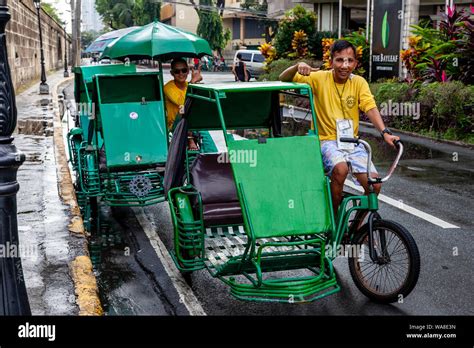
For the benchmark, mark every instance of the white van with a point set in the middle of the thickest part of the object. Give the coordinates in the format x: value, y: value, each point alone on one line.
x: 253, y: 59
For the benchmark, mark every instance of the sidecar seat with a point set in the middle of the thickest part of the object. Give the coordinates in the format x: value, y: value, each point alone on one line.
x: 215, y: 182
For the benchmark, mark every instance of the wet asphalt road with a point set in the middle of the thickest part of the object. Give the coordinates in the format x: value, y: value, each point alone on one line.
x: 435, y: 185
x: 434, y: 178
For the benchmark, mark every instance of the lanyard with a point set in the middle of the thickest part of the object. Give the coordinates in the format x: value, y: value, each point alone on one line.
x: 340, y: 95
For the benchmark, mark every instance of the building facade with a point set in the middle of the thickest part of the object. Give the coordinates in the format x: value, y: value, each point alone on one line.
x: 90, y: 20
x: 247, y: 29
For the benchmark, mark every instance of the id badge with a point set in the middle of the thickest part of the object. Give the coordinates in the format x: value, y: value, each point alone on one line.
x: 345, y: 129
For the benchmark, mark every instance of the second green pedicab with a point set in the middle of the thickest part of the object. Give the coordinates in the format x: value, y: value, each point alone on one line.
x: 258, y: 215
x: 119, y: 145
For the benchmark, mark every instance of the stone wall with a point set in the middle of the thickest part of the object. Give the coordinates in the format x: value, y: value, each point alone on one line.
x: 24, y: 46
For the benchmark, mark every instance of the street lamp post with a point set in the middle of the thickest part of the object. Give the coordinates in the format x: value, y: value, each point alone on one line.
x: 66, y: 72
x: 13, y: 296
x: 44, y: 88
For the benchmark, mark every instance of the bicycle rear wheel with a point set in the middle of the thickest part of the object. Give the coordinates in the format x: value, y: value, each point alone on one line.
x: 395, y: 273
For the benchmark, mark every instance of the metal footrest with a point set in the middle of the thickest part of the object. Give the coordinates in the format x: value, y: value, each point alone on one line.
x: 224, y: 243
x: 286, y: 290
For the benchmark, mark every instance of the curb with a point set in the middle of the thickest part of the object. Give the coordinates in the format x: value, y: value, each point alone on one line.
x: 82, y: 274
x: 416, y: 135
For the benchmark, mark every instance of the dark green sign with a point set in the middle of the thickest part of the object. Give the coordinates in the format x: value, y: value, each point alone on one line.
x: 386, y: 30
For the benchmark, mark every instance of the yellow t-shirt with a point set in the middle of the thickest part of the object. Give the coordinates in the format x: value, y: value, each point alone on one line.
x: 174, y: 98
x: 355, y: 95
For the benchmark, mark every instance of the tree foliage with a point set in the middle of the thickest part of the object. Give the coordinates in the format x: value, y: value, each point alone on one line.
x: 119, y: 14
x: 210, y: 25
x: 255, y: 5
x: 442, y: 54
x: 296, y: 19
x: 88, y: 36
x: 51, y: 10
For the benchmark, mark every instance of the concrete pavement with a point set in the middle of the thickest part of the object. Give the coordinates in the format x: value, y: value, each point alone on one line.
x: 53, y: 254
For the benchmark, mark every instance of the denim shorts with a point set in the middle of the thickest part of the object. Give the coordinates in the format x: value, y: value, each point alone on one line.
x: 356, y: 159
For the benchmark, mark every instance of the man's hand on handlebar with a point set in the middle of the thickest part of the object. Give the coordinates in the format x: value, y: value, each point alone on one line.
x: 390, y: 139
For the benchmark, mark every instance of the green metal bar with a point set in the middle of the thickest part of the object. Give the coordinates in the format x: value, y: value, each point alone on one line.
x: 333, y: 220
x: 313, y: 111
x: 251, y: 235
x: 182, y: 229
x: 196, y: 96
x: 360, y: 203
x: 162, y: 97
x: 373, y: 201
x: 279, y: 290
x: 221, y: 116
x: 257, y: 262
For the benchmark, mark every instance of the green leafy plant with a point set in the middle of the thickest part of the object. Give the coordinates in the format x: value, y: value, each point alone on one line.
x: 316, y: 42
x: 441, y: 55
x: 118, y: 14
x: 210, y: 26
x: 446, y: 109
x: 296, y: 19
x: 276, y: 67
x: 465, y: 50
x: 357, y: 38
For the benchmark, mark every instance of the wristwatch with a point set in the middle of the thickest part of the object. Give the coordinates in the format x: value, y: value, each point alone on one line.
x: 386, y: 130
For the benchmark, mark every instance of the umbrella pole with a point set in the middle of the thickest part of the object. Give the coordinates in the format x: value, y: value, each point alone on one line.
x: 162, y: 84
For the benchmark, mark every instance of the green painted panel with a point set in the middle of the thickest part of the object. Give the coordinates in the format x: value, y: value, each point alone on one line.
x: 244, y: 105
x: 245, y: 109
x: 132, y: 131
x: 87, y: 72
x: 283, y: 184
x: 129, y: 88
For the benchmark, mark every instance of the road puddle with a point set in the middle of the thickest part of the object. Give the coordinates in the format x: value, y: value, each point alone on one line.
x: 423, y: 163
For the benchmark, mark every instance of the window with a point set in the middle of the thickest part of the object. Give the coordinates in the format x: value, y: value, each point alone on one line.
x: 246, y: 57
x: 258, y: 58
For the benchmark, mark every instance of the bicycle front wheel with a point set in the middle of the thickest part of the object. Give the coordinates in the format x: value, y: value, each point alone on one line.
x: 395, y: 273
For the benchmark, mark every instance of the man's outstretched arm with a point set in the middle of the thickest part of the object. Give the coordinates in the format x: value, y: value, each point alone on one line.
x: 288, y: 74
x: 302, y: 68
x: 374, y: 117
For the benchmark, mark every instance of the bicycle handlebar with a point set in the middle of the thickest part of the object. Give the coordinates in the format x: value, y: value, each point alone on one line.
x: 394, y: 165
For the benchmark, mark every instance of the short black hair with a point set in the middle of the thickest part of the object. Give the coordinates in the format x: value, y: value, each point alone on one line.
x: 341, y: 45
x: 176, y: 61
x: 239, y: 55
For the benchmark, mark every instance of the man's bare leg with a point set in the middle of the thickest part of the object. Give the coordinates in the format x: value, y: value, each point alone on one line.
x: 362, y: 179
x: 338, y: 176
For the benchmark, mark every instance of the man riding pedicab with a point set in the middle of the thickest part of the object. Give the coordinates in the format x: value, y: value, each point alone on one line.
x: 339, y: 95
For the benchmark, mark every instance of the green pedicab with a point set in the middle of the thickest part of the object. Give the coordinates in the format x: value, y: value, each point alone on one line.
x: 119, y: 146
x: 259, y: 215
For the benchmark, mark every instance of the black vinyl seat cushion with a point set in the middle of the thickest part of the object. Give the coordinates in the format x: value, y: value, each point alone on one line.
x: 215, y: 182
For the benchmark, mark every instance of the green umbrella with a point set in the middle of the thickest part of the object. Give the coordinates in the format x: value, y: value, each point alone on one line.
x: 99, y: 44
x: 157, y: 41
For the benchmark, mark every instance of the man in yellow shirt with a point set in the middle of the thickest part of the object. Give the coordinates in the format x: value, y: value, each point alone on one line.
x: 338, y: 96
x: 175, y: 90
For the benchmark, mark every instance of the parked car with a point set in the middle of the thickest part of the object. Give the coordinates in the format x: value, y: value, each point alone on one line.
x: 253, y: 60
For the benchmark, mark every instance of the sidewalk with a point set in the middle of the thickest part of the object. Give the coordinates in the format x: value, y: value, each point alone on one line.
x: 43, y: 219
